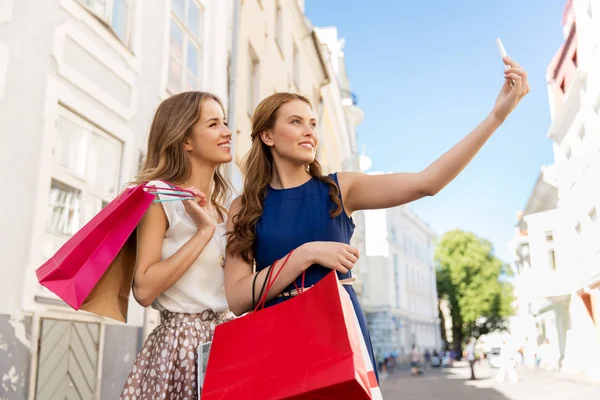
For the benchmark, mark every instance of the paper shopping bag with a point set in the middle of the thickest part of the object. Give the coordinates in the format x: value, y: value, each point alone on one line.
x: 110, y: 296
x: 78, y: 266
x: 305, y: 348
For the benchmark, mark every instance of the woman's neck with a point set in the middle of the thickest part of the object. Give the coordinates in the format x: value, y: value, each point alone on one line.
x: 287, y: 175
x: 201, y: 178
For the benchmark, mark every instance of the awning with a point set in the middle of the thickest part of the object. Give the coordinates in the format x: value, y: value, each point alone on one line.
x: 554, y: 284
x: 591, y: 284
x: 552, y: 303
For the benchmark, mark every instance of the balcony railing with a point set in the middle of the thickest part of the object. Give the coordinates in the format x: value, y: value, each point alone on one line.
x: 348, y: 97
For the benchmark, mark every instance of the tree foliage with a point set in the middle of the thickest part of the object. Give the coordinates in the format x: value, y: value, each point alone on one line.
x: 472, y: 279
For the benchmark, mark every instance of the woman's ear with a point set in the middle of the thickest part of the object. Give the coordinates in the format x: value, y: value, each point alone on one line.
x: 187, y: 144
x: 267, y: 137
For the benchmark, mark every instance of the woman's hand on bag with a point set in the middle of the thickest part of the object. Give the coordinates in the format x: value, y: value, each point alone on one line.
x: 197, y: 211
x: 337, y: 256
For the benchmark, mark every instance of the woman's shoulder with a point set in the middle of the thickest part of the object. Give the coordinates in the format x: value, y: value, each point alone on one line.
x: 159, y: 184
x: 236, y: 206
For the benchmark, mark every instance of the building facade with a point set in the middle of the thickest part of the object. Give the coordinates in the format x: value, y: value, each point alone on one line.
x: 340, y: 116
x: 400, y: 286
x: 279, y: 50
x: 79, y: 99
x: 557, y: 249
x: 76, y: 103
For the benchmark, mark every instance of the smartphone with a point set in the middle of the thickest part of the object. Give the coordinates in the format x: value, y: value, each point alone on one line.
x: 503, y: 54
x: 501, y: 48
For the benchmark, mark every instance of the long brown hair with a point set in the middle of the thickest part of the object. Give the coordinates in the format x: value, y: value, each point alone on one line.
x: 258, y: 167
x: 166, y: 160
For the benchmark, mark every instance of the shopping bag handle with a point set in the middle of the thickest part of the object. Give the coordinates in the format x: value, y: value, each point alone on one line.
x: 270, y: 283
x: 172, y: 190
x: 262, y: 289
x: 262, y: 296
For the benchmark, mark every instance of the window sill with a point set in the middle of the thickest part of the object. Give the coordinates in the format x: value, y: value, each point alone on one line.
x: 44, y: 299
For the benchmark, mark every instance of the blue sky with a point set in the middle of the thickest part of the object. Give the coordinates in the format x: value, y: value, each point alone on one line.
x: 426, y: 73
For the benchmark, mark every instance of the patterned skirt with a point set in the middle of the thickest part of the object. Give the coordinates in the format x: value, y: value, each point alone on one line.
x: 166, y: 367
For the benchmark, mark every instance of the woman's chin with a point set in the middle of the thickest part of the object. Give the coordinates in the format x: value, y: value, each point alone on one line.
x: 224, y: 160
x: 306, y: 160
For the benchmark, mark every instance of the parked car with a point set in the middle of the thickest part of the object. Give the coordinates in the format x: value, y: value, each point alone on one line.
x: 446, y: 361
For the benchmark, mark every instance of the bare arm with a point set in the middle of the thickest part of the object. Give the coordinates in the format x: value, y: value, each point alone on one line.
x: 364, y: 192
x: 153, y: 275
x: 401, y: 188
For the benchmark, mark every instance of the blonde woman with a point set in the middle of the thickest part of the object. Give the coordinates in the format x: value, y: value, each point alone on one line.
x: 181, y: 245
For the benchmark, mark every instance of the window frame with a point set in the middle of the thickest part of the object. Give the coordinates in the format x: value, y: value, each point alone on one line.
x: 279, y: 28
x: 79, y: 182
x: 253, y: 84
x: 187, y: 37
x: 106, y: 17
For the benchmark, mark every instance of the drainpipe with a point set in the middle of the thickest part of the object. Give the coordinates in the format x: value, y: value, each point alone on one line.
x: 234, y: 171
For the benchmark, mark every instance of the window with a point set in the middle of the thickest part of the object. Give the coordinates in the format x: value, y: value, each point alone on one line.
x: 568, y: 153
x: 86, y: 167
x: 185, y: 46
x: 116, y: 14
x: 253, y: 82
x: 575, y: 58
x: 64, y: 208
x: 581, y: 133
x: 551, y: 260
x: 296, y: 66
x: 592, y: 214
x: 562, y: 86
x: 279, y: 27
x: 549, y: 236
x: 578, y: 227
x: 141, y: 161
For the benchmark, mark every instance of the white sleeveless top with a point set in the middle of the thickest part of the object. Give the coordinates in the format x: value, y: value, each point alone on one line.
x: 202, y: 287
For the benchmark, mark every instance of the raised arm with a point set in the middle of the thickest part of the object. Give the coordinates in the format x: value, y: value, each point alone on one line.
x: 239, y: 274
x: 364, y: 192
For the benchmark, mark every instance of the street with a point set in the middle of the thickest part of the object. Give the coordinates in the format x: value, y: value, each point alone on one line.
x: 453, y: 383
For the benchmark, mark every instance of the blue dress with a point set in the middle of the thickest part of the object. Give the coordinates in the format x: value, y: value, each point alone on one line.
x: 292, y: 217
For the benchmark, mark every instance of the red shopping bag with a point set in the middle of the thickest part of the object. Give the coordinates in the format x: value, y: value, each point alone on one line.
x: 305, y: 348
x: 80, y: 263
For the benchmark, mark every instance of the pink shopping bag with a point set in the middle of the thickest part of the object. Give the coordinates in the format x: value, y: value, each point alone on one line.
x: 78, y: 265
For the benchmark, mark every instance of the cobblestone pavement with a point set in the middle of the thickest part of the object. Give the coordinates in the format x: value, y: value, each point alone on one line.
x: 453, y: 383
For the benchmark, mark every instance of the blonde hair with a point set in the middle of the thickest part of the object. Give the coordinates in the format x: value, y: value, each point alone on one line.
x: 166, y: 159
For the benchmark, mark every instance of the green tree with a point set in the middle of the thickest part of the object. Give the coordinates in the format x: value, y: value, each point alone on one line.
x: 472, y: 279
